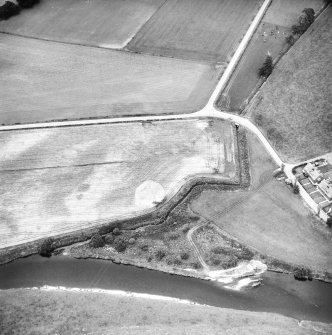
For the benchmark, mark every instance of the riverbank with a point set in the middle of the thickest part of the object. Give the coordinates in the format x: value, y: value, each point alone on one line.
x: 164, y: 247
x: 245, y: 274
x: 189, y: 245
x: 64, y: 311
x: 83, y: 251
x: 207, y: 252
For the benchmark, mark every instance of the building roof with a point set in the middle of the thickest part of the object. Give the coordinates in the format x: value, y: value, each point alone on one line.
x: 312, y: 171
x: 328, y: 175
x: 326, y: 188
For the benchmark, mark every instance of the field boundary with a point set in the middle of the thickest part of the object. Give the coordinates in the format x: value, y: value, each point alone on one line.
x: 122, y: 50
x: 146, y: 22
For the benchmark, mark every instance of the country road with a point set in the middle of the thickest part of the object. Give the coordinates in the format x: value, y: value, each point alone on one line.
x: 208, y: 111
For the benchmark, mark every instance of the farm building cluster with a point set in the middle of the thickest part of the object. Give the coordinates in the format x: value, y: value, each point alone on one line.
x: 316, y: 179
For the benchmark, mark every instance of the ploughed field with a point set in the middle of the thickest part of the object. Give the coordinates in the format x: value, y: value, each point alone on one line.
x: 57, y: 180
x: 43, y: 81
x: 196, y: 29
x: 109, y: 24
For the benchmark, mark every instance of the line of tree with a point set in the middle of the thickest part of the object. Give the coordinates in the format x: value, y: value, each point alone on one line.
x: 9, y: 8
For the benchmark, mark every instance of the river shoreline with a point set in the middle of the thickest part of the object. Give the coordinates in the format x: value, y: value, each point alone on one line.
x: 279, y: 293
x: 273, y: 265
x: 192, y: 272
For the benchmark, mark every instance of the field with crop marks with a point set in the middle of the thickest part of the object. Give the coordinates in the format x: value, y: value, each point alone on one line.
x: 293, y: 108
x: 196, y: 29
x: 57, y: 180
x: 109, y: 24
x: 43, y: 81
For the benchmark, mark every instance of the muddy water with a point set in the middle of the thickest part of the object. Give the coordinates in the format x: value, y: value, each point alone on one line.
x: 279, y: 293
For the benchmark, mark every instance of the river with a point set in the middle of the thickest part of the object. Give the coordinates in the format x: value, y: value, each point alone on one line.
x: 279, y: 293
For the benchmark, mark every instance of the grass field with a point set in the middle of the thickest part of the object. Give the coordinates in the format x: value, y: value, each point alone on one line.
x: 269, y: 37
x: 293, y: 107
x: 63, y: 179
x: 42, y: 81
x: 110, y: 23
x: 39, y: 312
x: 269, y: 217
x: 196, y: 29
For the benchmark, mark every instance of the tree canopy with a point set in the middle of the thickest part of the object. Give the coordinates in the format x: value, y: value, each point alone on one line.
x: 267, y: 67
x: 8, y: 9
x: 304, y: 21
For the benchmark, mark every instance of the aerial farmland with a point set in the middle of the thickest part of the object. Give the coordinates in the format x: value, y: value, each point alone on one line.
x: 108, y: 24
x: 74, y: 177
x: 167, y: 136
x: 91, y: 82
x: 176, y: 30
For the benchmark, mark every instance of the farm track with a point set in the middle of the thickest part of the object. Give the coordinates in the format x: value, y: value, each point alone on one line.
x: 198, y: 253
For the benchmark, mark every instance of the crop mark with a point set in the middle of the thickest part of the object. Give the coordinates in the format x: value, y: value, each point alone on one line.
x: 61, y: 166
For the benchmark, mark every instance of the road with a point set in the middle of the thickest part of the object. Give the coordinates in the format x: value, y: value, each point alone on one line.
x: 208, y: 111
